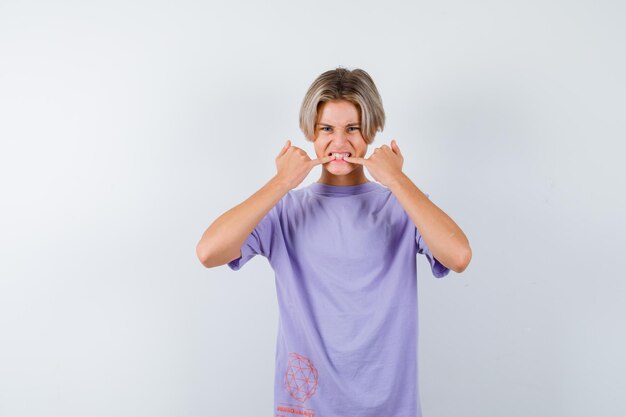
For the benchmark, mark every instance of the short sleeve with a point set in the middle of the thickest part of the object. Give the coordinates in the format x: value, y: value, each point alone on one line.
x: 260, y: 240
x: 438, y: 269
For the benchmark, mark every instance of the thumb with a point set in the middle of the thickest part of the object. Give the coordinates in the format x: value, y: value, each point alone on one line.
x: 285, y: 148
x: 395, y: 147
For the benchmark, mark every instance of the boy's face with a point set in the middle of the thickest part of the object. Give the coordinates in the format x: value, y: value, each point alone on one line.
x: 338, y: 130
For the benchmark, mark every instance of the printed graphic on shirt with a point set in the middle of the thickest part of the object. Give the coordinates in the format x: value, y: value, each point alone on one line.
x: 288, y: 410
x: 300, y: 378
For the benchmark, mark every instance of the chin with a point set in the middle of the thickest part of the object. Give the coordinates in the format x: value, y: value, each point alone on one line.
x: 340, y: 171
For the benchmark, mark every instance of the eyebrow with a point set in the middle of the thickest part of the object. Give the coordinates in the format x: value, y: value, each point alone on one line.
x: 326, y: 124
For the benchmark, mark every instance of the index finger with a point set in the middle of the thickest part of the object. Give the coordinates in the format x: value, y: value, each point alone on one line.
x: 324, y: 160
x: 355, y: 160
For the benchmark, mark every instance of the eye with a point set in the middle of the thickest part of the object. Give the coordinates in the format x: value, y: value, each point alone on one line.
x: 323, y: 129
x: 352, y: 128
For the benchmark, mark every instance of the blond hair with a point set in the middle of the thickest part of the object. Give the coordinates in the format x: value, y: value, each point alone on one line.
x: 355, y: 86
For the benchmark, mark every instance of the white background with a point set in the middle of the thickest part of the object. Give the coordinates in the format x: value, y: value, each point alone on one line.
x: 127, y: 127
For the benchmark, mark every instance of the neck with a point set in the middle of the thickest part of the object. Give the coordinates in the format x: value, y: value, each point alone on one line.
x: 355, y: 177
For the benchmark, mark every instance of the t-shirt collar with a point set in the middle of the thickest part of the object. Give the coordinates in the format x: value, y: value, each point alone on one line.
x: 327, y: 189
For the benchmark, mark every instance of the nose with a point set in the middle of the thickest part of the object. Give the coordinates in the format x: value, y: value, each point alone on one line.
x: 340, y: 138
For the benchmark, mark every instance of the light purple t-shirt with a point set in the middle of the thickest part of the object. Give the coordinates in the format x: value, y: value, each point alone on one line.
x: 345, y: 268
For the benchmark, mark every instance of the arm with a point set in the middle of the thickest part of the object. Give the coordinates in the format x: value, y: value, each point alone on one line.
x: 444, y: 238
x: 222, y: 241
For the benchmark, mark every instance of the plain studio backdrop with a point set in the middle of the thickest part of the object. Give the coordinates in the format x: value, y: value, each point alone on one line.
x: 128, y: 127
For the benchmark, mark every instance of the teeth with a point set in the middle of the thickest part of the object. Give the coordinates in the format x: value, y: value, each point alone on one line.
x: 340, y: 155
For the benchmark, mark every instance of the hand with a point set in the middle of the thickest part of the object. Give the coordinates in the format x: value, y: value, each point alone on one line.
x: 293, y: 164
x: 385, y: 164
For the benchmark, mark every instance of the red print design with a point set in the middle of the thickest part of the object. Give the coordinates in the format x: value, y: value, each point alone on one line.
x: 301, y: 378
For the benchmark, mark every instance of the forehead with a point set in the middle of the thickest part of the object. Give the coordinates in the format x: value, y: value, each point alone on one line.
x: 338, y: 112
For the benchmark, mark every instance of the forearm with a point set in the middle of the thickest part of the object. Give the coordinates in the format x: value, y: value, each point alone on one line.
x: 444, y: 238
x: 222, y: 240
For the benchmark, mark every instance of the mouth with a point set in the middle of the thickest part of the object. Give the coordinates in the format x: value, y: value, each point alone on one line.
x: 339, y: 156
